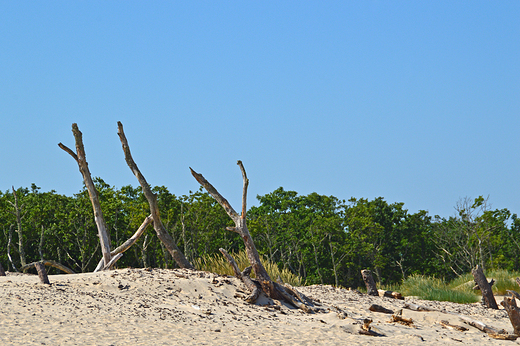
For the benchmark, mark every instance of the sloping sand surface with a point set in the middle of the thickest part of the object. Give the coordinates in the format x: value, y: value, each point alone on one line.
x: 182, y: 307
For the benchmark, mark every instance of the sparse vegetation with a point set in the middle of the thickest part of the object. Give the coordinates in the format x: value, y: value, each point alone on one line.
x: 218, y: 264
x: 429, y: 288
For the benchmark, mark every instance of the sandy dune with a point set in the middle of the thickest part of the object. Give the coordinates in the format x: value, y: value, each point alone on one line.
x: 181, y: 307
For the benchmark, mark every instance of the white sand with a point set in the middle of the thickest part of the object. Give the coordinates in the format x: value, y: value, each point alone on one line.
x: 181, y: 307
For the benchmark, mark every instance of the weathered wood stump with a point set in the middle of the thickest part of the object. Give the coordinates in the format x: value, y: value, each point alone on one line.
x: 487, y: 292
x: 42, y: 273
x: 509, y: 304
x: 369, y: 282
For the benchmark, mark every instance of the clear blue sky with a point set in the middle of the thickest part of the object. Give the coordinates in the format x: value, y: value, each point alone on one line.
x: 414, y: 101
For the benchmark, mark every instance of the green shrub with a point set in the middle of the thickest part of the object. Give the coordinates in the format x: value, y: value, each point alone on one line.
x: 219, y: 265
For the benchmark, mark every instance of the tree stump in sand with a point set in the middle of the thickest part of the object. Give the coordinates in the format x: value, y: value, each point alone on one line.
x: 42, y: 273
x: 487, y: 292
x: 509, y: 304
x: 369, y: 282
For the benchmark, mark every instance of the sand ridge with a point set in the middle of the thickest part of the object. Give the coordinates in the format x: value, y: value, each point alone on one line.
x: 187, y: 307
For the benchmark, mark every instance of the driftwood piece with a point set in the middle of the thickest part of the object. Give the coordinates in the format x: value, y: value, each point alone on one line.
x: 368, y: 279
x: 49, y: 263
x: 81, y: 159
x: 379, y: 308
x: 390, y: 294
x: 416, y: 307
x: 42, y: 273
x: 487, y: 293
x: 480, y: 325
x: 244, y: 276
x: 367, y: 330
x: 509, y: 304
x: 151, y: 197
x: 127, y: 244
x: 448, y: 325
x: 2, y: 271
x: 270, y: 288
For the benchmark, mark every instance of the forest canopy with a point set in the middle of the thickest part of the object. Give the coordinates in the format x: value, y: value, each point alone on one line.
x: 323, y: 239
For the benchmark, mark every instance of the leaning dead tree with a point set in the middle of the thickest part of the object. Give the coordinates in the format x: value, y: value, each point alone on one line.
x: 487, y: 293
x: 270, y: 288
x: 151, y: 197
x: 81, y: 159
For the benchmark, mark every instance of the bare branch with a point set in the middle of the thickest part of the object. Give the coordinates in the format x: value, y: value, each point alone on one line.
x: 244, y: 190
x: 71, y: 153
x: 218, y: 197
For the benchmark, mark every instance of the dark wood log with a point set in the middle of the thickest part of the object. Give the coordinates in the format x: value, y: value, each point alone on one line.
x: 368, y: 279
x: 151, y: 197
x: 487, y: 293
x: 42, y: 273
x: 379, y: 308
x: 2, y: 271
x: 49, y: 263
x: 81, y: 159
x: 509, y: 304
x: 127, y: 244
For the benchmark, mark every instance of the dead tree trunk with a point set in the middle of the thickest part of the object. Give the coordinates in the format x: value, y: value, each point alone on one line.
x: 9, y: 244
x: 18, y: 214
x: 487, y: 293
x: 369, y: 282
x: 162, y: 234
x: 241, y: 228
x: 81, y: 159
x: 270, y: 288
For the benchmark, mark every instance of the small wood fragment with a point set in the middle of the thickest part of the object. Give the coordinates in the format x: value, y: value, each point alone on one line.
x: 390, y: 294
x: 398, y: 317
x: 416, y: 307
x: 42, y: 273
x: 367, y: 330
x: 448, y: 325
x: 379, y: 308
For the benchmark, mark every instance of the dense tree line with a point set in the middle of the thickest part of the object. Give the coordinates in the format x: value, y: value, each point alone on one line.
x: 321, y: 238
